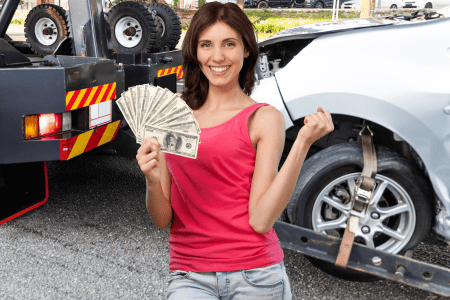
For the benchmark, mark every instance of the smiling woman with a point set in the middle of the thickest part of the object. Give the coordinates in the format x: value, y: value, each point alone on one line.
x: 242, y: 37
x: 221, y: 206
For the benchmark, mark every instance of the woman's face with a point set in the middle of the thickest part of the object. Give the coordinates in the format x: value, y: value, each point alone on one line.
x: 221, y: 53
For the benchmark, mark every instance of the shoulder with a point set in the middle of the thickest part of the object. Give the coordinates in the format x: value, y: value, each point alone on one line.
x: 267, y: 122
x: 266, y: 117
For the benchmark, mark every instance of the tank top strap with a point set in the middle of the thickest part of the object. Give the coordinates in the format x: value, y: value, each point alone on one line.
x: 247, y: 112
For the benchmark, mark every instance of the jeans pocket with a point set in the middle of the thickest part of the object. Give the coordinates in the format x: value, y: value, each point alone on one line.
x: 265, y: 277
x: 177, y: 274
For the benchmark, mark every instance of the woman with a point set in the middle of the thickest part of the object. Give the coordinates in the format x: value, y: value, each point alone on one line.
x: 223, y: 204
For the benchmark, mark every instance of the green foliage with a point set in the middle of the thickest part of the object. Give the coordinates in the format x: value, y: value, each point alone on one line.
x: 184, y: 26
x: 18, y: 21
x: 175, y: 3
x: 275, y: 21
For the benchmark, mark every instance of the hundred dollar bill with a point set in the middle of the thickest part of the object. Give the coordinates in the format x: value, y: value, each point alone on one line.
x: 187, y: 127
x: 126, y: 113
x: 175, y: 103
x: 128, y: 102
x: 181, y: 111
x: 157, y: 97
x: 174, y: 142
x: 186, y: 117
x: 160, y: 103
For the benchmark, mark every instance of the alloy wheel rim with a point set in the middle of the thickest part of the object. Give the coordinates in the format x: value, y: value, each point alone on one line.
x: 46, y: 31
x: 390, y: 220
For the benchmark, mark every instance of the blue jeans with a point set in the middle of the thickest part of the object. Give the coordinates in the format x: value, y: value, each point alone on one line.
x: 267, y: 283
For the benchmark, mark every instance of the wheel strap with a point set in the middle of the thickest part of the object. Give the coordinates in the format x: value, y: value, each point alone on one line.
x: 361, y: 197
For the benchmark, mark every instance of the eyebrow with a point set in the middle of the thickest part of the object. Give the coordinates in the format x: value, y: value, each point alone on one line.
x: 225, y: 40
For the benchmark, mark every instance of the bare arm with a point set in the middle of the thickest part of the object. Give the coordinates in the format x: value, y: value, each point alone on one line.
x: 158, y: 183
x: 271, y: 190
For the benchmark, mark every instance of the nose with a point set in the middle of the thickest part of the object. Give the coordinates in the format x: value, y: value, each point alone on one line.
x: 218, y: 54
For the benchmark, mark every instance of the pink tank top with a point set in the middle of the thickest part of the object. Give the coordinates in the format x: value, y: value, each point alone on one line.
x: 209, y: 197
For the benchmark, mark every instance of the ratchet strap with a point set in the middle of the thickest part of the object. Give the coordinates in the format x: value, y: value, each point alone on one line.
x: 361, y: 197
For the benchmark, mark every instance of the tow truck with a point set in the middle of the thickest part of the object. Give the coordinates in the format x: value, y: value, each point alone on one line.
x: 60, y: 104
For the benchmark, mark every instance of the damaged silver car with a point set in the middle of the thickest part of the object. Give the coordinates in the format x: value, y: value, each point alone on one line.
x: 396, y: 81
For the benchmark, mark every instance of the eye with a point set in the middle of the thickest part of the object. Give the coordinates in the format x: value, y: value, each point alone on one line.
x: 205, y: 45
x: 230, y: 44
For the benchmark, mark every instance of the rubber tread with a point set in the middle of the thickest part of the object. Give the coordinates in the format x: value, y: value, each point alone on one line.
x: 55, y: 12
x: 172, y: 32
x: 152, y: 27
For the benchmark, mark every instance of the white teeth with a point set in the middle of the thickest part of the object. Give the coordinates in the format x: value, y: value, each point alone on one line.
x: 219, y: 70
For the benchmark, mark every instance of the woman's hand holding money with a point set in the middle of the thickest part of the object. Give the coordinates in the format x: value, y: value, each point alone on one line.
x: 316, y: 126
x: 148, y: 160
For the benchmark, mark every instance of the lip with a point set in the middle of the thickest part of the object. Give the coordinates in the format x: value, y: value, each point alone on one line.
x: 221, y: 73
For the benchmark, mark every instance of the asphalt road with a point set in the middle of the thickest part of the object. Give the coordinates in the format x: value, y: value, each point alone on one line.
x: 93, y: 239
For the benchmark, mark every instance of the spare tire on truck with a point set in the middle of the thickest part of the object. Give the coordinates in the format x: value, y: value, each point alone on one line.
x: 45, y: 27
x: 170, y: 26
x: 133, y: 28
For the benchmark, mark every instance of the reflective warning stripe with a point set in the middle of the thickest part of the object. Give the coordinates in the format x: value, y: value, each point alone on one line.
x: 94, y: 95
x: 84, y: 142
x: 178, y: 70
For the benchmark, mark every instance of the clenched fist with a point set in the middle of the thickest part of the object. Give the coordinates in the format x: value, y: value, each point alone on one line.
x: 148, y: 157
x: 316, y: 126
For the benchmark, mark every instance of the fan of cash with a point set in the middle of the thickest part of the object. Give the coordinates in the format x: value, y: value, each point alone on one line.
x: 155, y: 112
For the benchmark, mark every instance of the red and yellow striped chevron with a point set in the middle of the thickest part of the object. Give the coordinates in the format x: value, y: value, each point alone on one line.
x: 178, y: 70
x: 84, y: 142
x: 94, y: 95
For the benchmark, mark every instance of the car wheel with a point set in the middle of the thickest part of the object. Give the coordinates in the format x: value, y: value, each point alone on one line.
x: 170, y: 32
x: 133, y: 28
x: 263, y: 5
x: 399, y: 215
x: 393, y: 6
x: 45, y: 27
x: 319, y: 5
x: 428, y: 5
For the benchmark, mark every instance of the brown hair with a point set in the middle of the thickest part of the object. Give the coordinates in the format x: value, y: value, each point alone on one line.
x: 196, y: 83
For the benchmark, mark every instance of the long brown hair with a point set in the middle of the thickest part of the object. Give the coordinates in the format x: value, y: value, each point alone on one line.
x: 196, y: 83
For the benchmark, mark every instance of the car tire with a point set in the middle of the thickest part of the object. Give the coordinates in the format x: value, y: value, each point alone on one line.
x: 170, y: 27
x: 428, y: 5
x: 263, y: 5
x: 322, y: 182
x: 393, y: 6
x: 319, y: 5
x: 45, y: 27
x: 126, y: 15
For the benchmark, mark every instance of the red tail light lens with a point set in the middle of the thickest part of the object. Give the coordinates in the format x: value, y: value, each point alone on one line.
x: 49, y: 124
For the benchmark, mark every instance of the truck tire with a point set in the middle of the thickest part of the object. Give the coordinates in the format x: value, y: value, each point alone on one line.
x: 263, y: 5
x: 170, y: 26
x: 133, y: 28
x: 399, y: 220
x: 45, y: 27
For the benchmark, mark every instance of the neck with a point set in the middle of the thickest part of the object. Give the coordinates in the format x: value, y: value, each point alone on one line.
x: 222, y: 97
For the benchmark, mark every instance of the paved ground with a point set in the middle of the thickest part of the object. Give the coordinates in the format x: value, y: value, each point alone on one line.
x: 93, y: 239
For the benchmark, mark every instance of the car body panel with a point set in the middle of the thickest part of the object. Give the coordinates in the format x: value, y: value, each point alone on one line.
x: 268, y: 92
x: 401, y: 81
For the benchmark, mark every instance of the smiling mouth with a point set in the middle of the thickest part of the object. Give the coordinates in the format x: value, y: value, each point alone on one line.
x: 219, y: 71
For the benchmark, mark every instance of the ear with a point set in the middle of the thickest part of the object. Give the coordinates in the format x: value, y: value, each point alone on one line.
x: 246, y: 53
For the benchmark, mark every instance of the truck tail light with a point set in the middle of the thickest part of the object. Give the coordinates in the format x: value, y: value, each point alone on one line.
x: 47, y: 124
x: 31, y: 127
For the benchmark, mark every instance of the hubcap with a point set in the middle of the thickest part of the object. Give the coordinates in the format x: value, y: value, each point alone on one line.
x: 128, y: 32
x: 46, y: 31
x: 388, y: 224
